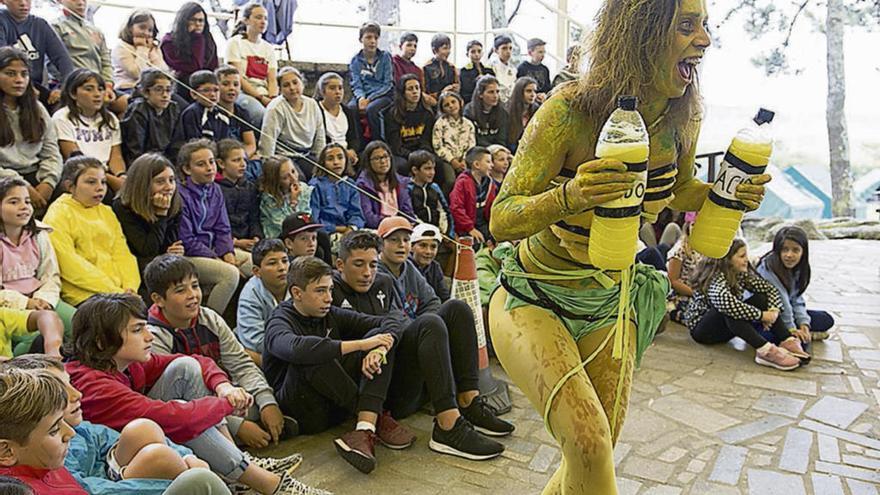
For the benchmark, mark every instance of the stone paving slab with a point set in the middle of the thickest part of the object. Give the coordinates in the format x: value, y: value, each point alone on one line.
x: 703, y: 420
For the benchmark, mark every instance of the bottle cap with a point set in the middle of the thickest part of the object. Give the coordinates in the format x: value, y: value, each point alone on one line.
x: 628, y: 103
x: 764, y: 116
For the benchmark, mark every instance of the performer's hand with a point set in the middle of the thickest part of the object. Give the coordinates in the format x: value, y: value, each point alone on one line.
x: 751, y: 193
x: 598, y: 182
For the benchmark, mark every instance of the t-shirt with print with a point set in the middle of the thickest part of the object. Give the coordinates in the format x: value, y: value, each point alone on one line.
x: 90, y: 137
x: 257, y: 59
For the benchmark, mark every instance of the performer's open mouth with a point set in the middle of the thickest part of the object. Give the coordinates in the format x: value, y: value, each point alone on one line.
x: 687, y: 68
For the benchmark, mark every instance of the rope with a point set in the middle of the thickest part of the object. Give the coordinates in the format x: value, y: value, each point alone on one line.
x: 286, y: 150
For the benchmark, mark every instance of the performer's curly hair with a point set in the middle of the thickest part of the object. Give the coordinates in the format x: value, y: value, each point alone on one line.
x: 625, y: 52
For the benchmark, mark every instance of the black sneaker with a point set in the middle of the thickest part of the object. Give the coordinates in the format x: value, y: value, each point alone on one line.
x: 484, y: 417
x: 463, y: 441
x: 291, y: 428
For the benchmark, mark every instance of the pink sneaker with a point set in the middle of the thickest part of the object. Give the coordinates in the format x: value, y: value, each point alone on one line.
x: 778, y: 358
x: 794, y: 347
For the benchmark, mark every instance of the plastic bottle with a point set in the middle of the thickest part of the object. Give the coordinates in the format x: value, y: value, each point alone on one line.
x: 615, y: 227
x: 721, y: 213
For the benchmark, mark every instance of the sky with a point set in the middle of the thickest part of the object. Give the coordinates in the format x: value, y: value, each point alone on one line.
x: 732, y: 86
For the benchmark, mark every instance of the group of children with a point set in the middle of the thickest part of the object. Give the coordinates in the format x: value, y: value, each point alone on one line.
x: 763, y: 304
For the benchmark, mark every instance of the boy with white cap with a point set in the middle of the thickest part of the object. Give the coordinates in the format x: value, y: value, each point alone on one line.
x: 426, y: 241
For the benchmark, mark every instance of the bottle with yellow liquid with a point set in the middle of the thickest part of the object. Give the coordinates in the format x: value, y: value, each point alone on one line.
x: 615, y: 228
x: 721, y: 213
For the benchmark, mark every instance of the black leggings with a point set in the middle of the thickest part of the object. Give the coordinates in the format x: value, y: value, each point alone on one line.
x: 716, y: 328
x: 440, y: 352
x: 327, y: 394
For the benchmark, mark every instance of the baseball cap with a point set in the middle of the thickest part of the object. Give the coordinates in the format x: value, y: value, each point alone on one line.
x: 425, y: 232
x: 391, y: 225
x: 297, y: 223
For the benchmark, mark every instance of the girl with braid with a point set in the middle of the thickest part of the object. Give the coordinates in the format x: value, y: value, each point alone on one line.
x: 567, y: 333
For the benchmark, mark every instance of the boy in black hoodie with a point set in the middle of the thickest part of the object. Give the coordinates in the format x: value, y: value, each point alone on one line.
x: 326, y: 364
x: 427, y: 358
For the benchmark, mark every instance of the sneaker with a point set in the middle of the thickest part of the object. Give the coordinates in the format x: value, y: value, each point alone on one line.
x: 818, y: 335
x: 274, y: 465
x: 292, y: 486
x: 463, y: 441
x: 393, y: 434
x: 291, y: 428
x: 484, y: 417
x: 793, y: 347
x: 358, y: 449
x: 776, y: 357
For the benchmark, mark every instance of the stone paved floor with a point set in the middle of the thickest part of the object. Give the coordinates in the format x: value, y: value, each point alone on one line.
x: 702, y: 420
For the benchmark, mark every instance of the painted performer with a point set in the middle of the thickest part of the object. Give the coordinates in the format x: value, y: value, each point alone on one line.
x: 555, y: 322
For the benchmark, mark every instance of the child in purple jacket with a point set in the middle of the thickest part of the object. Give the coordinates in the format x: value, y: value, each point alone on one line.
x: 382, y: 182
x: 204, y: 223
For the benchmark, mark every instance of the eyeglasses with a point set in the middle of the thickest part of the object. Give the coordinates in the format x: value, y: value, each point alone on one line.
x: 380, y: 159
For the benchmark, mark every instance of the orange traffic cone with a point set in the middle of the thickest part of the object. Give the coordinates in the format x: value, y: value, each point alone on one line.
x: 466, y: 288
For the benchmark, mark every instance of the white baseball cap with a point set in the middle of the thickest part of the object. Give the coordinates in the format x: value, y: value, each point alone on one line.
x: 426, y: 232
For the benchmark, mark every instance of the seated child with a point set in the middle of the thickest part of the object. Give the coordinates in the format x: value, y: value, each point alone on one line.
x: 682, y: 263
x: 327, y: 364
x: 230, y: 91
x: 182, y: 326
x: 261, y: 294
x: 293, y: 125
x: 254, y: 58
x: 473, y: 70
x: 114, y: 380
x: 34, y: 437
x: 33, y: 280
x: 282, y: 193
x: 717, y: 311
x: 379, y: 179
x: 204, y: 223
x: 453, y: 136
x: 340, y: 122
x: 335, y: 203
x: 501, y: 158
x: 425, y: 242
x: 408, y: 123
x: 787, y: 267
x: 428, y: 201
x: 472, y: 196
x: 242, y: 201
x: 205, y: 118
x: 150, y: 121
x: 440, y: 75
x: 139, y: 459
x: 372, y: 79
x: 304, y: 237
x: 85, y: 124
x: 136, y: 50
x: 485, y: 110
x: 520, y: 109
x: 535, y: 68
x: 93, y: 255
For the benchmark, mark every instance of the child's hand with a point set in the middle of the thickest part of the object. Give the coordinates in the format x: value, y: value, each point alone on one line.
x: 246, y: 244
x: 352, y: 157
x: 193, y: 462
x: 458, y: 165
x: 803, y: 333
x: 768, y: 318
x: 477, y: 235
x: 362, y: 104
x: 273, y: 420
x: 176, y: 248
x: 252, y: 435
x: 237, y: 397
x: 38, y: 304
x: 230, y: 258
x: 541, y: 97
x: 429, y: 100
x: 162, y: 201
x: 54, y: 96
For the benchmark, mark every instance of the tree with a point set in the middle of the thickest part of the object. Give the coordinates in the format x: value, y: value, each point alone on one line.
x: 765, y: 16
x: 386, y: 13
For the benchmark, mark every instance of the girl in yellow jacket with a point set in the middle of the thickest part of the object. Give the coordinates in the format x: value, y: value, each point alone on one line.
x: 93, y: 256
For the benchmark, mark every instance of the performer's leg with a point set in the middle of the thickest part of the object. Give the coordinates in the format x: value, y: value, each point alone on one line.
x: 536, y: 350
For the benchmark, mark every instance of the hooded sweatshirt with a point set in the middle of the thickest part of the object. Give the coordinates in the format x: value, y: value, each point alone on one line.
x: 417, y: 295
x: 209, y: 336
x: 204, y: 224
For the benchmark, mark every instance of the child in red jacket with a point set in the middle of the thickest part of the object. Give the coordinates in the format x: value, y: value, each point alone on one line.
x: 472, y: 196
x: 188, y: 396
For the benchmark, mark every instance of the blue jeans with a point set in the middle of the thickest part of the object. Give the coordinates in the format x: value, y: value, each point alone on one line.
x: 182, y: 380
